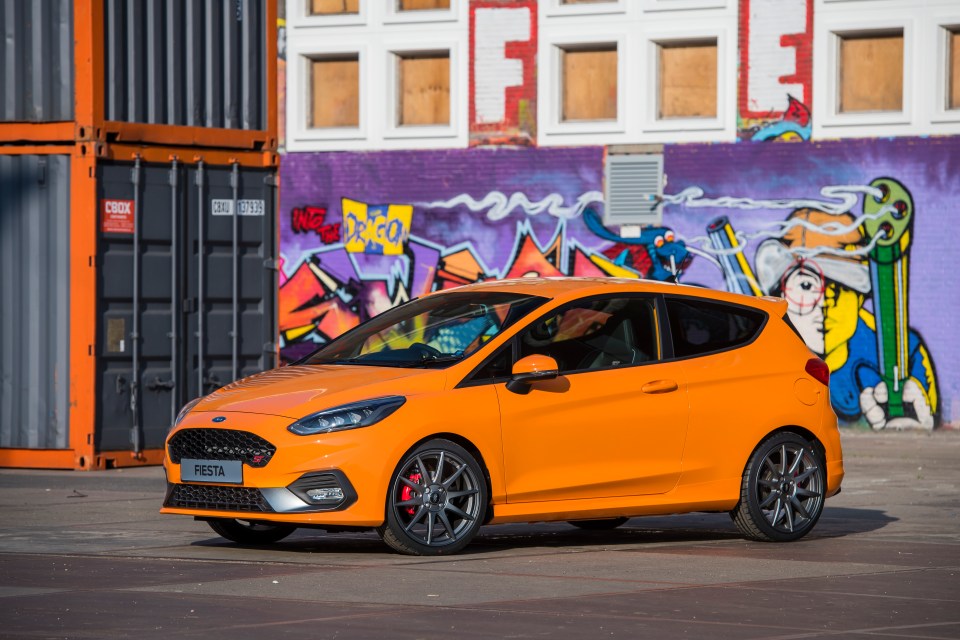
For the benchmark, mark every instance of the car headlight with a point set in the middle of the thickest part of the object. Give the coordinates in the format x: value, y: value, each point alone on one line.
x: 186, y: 409
x: 348, y: 416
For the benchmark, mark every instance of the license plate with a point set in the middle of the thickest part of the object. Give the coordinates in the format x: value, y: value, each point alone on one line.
x: 219, y: 471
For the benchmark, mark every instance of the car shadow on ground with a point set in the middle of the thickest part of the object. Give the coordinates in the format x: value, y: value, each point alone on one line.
x: 689, y: 528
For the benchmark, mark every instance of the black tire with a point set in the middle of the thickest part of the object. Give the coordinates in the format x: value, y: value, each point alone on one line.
x: 249, y: 532
x: 604, y: 524
x: 782, y: 492
x: 436, y: 500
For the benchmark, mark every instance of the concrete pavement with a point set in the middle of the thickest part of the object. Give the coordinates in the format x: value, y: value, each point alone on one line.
x: 86, y: 555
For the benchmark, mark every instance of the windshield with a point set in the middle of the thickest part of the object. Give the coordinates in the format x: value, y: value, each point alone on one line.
x: 436, y: 330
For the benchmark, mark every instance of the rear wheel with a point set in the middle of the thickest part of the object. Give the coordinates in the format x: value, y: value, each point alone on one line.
x: 250, y: 532
x: 782, y: 492
x: 436, y: 501
x: 604, y: 524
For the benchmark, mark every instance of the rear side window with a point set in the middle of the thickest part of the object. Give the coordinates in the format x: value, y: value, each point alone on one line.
x: 699, y: 327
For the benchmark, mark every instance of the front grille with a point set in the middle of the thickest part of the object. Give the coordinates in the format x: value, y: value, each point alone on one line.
x: 221, y: 444
x: 193, y: 496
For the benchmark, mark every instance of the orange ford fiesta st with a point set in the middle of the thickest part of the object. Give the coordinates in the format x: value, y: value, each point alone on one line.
x: 590, y: 400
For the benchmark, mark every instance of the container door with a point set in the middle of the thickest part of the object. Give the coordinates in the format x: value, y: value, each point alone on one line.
x: 231, y: 282
x: 167, y: 295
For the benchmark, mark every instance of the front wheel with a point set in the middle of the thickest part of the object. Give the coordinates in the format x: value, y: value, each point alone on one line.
x: 250, y: 532
x: 782, y: 492
x: 436, y: 501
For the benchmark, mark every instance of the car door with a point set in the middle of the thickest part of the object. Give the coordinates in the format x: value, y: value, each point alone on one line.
x: 612, y: 423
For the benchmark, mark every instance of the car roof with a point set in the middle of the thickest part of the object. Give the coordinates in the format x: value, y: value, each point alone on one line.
x: 574, y: 287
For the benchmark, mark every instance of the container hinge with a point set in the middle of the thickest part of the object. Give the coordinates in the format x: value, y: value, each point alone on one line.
x: 270, y: 180
x: 269, y: 347
x: 42, y: 172
x: 189, y: 305
x: 271, y: 264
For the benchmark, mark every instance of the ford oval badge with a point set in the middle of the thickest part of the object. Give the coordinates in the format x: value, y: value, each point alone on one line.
x: 219, y: 418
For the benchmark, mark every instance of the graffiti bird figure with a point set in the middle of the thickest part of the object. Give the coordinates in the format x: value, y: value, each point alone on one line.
x: 656, y: 254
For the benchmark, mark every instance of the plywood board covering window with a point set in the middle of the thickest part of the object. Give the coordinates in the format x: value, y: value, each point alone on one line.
x: 687, y: 76
x: 335, y: 92
x: 871, y: 72
x: 589, y: 83
x: 334, y: 7
x: 422, y: 5
x: 953, y: 69
x: 423, y: 82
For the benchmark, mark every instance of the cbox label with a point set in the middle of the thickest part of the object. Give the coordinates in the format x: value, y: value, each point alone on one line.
x: 116, y: 216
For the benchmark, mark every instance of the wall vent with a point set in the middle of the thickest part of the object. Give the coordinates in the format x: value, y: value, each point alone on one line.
x: 634, y: 187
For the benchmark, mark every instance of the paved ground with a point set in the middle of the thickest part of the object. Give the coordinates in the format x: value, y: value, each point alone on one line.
x: 86, y: 555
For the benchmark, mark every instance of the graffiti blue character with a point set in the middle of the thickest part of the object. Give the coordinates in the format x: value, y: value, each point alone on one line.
x: 665, y: 256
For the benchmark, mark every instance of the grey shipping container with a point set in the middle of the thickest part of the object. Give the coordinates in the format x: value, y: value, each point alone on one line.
x: 34, y: 298
x: 36, y: 60
x: 187, y: 298
x: 183, y: 300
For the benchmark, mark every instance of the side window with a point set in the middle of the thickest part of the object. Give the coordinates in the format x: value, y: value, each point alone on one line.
x: 595, y: 334
x: 703, y: 327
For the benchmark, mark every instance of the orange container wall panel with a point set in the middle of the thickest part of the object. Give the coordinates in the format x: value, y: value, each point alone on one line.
x: 36, y: 62
x: 194, y: 64
x: 35, y: 298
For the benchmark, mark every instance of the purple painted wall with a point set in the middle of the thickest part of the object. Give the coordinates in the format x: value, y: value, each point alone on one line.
x: 828, y: 225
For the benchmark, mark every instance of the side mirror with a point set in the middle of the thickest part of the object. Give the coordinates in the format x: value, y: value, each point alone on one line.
x: 532, y: 369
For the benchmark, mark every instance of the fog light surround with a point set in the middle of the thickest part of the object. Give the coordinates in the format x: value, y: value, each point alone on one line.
x: 324, y: 490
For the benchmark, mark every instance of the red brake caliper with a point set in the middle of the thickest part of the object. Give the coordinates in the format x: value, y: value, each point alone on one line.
x: 407, y: 492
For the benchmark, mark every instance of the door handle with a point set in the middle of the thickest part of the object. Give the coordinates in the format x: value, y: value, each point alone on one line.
x: 659, y: 386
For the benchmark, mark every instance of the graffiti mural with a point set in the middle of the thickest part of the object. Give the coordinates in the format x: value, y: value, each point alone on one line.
x: 846, y: 232
x: 776, y: 76
x: 841, y: 232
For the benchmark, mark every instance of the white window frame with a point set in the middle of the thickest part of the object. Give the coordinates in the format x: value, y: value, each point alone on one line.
x: 550, y: 85
x: 828, y: 121
x: 555, y: 8
x: 942, y: 26
x: 303, y: 18
x: 726, y: 95
x: 686, y: 5
x: 299, y: 96
x: 394, y: 15
x: 395, y: 131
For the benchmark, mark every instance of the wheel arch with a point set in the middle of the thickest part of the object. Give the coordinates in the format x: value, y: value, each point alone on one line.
x: 474, y: 450
x: 803, y: 432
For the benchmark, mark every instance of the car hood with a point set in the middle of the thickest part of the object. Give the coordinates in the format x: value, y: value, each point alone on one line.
x: 297, y: 391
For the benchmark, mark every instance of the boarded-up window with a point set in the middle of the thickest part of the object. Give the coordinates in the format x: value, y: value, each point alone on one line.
x: 688, y: 80
x: 423, y: 88
x: 953, y: 70
x: 333, y: 7
x: 871, y: 72
x: 422, y: 5
x: 589, y: 83
x: 335, y: 92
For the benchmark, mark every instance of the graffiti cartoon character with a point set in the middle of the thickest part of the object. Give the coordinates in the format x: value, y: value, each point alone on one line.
x: 657, y: 254
x: 817, y: 268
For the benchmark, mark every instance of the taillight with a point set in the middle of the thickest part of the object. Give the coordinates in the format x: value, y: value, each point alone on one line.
x: 818, y: 370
